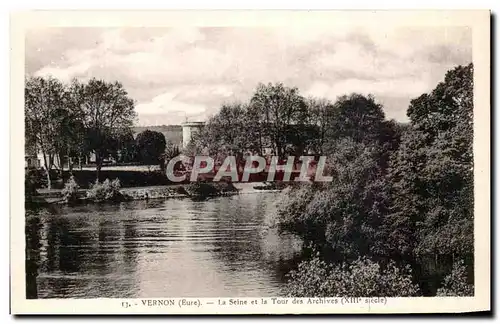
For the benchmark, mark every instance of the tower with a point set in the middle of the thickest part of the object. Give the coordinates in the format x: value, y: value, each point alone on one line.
x: 188, y: 130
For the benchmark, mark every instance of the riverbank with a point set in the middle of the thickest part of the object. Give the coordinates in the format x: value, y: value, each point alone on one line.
x: 159, y: 192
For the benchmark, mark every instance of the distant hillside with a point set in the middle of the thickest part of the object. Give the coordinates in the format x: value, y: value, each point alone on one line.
x: 173, y: 133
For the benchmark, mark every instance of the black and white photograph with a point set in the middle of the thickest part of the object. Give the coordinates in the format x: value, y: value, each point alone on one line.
x: 314, y: 163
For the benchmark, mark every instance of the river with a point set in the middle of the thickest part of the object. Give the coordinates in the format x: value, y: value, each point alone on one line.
x: 221, y: 247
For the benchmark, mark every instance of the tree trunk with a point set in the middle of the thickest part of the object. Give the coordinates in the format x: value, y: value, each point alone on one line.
x: 98, y: 163
x: 61, y: 164
x: 47, y: 169
x: 260, y: 145
x: 49, y: 183
x: 70, y: 165
x: 70, y: 162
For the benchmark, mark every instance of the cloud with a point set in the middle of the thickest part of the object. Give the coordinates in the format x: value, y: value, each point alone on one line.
x: 185, y: 100
x: 405, y: 87
x: 174, y: 73
x: 165, y: 103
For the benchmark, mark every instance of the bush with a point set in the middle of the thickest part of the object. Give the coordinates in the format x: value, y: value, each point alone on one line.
x: 70, y: 190
x: 105, y: 191
x: 291, y: 206
x: 456, y: 284
x: 360, y: 278
x: 224, y: 187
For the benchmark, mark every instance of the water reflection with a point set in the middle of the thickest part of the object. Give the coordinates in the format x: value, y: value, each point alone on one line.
x: 160, y: 248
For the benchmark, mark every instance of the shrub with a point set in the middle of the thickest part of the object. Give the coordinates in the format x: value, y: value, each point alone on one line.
x: 456, y: 284
x: 70, y: 190
x: 291, y: 206
x: 360, y: 278
x: 105, y: 191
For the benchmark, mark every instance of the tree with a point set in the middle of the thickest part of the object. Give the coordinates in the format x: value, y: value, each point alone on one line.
x: 362, y: 277
x: 126, y: 147
x: 342, y: 216
x: 69, y: 142
x: 150, y: 147
x: 321, y: 114
x: 106, y: 112
x: 234, y: 130
x: 432, y: 173
x: 44, y: 102
x: 278, y: 107
x: 356, y: 117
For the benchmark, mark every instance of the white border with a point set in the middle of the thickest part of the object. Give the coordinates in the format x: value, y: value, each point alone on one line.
x: 480, y: 23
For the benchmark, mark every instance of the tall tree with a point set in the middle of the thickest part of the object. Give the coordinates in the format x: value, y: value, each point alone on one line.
x: 44, y: 100
x: 356, y: 117
x: 107, y: 111
x: 278, y: 107
x: 433, y: 170
x: 70, y: 138
x: 230, y: 132
x: 321, y: 114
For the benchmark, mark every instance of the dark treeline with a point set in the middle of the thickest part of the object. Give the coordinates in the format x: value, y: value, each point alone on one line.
x: 398, y: 217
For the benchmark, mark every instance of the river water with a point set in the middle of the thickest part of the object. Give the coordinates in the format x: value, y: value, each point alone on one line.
x: 222, y: 247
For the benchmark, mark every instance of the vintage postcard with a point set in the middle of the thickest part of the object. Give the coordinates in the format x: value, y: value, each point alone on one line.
x: 250, y: 162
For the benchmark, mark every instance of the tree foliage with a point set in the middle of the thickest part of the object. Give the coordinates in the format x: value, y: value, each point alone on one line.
x: 360, y: 278
x: 456, y: 283
x: 44, y: 101
x: 229, y: 132
x: 70, y: 190
x: 278, y: 107
x: 432, y: 172
x: 398, y: 191
x: 150, y: 147
x: 106, y: 111
x: 276, y: 118
x: 70, y: 121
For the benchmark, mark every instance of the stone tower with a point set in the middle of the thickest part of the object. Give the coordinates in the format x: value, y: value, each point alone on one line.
x: 188, y: 129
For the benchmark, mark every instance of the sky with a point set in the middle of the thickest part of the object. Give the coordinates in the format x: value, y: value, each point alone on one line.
x: 179, y: 74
